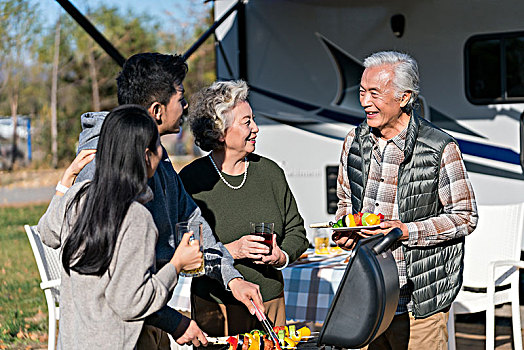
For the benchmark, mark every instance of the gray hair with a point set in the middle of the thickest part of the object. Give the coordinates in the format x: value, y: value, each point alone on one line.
x: 210, y: 111
x: 406, y: 73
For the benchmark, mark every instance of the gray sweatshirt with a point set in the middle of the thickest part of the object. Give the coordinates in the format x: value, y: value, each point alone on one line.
x: 108, y: 312
x: 171, y: 204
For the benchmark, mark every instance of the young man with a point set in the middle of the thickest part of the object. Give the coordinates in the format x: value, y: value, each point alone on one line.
x: 402, y: 166
x: 155, y: 81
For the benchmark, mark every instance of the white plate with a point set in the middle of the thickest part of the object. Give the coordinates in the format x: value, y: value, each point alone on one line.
x: 355, y: 228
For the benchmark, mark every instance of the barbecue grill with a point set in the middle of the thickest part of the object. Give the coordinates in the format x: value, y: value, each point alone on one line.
x: 367, y: 296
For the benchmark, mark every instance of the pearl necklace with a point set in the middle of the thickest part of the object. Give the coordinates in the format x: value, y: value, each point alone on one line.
x: 224, y: 180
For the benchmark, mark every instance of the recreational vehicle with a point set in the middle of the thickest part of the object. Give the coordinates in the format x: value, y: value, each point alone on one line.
x: 303, y: 61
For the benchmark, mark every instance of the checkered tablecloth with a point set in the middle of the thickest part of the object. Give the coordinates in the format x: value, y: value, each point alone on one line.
x: 309, y: 287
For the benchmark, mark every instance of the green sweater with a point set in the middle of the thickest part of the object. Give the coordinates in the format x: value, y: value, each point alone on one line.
x: 265, y: 197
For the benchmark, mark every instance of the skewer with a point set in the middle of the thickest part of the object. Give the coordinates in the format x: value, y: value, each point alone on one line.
x: 262, y: 318
x: 322, y: 225
x: 217, y: 340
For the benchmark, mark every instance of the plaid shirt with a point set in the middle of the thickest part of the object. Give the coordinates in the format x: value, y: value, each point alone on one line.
x: 454, y: 189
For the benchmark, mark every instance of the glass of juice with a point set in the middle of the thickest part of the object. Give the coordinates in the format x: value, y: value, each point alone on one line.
x: 264, y: 229
x: 196, y: 228
x: 321, y: 241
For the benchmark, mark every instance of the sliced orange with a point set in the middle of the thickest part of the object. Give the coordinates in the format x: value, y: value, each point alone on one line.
x: 372, y: 219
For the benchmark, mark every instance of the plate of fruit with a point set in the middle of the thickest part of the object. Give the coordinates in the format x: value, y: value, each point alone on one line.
x: 358, y: 221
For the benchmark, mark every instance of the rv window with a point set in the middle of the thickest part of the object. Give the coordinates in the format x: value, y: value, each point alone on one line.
x: 494, y: 66
x: 515, y: 66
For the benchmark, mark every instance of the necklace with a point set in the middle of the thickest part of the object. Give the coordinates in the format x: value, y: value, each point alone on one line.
x: 224, y: 180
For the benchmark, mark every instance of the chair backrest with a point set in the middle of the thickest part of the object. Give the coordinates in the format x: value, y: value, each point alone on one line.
x: 498, y: 236
x: 47, y: 259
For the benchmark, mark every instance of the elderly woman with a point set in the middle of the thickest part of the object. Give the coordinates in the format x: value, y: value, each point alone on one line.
x: 233, y: 187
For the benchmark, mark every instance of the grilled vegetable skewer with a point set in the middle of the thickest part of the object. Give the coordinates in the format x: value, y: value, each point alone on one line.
x: 258, y: 340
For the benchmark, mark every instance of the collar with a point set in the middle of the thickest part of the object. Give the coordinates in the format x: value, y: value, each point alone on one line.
x: 399, y: 140
x: 146, y: 196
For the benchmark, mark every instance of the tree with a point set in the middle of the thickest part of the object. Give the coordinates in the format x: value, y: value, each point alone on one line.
x: 188, y: 29
x: 54, y: 88
x: 86, y: 74
x: 19, y: 26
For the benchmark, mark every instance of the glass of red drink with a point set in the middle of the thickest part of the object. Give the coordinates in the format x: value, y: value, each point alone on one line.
x: 264, y: 229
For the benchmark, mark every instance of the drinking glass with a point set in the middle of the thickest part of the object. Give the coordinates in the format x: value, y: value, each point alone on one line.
x: 264, y: 229
x: 321, y: 241
x: 196, y: 228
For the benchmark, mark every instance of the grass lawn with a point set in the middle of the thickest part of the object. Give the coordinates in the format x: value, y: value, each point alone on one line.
x: 23, y: 310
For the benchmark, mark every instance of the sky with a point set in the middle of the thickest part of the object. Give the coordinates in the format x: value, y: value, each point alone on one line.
x: 164, y: 10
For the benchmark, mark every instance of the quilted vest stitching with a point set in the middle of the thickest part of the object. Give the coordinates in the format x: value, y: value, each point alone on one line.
x: 436, y: 271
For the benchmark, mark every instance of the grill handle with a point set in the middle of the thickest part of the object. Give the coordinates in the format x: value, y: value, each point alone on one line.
x: 387, y: 241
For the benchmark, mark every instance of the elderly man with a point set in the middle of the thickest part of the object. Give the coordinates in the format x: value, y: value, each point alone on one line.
x: 402, y: 166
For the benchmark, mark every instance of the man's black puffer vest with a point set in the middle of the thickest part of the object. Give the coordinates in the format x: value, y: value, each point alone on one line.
x: 435, y: 271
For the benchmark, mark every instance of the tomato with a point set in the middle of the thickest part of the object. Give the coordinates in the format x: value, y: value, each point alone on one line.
x: 276, y: 329
x: 358, y: 219
x: 233, y: 341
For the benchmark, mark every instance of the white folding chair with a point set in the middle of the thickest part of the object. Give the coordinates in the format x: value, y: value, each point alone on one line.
x: 491, y: 270
x: 48, y: 263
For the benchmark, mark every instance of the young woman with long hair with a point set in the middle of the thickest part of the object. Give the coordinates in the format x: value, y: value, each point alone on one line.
x: 109, y: 282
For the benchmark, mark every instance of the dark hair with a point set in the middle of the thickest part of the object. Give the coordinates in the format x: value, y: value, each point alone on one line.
x: 149, y: 77
x: 120, y: 176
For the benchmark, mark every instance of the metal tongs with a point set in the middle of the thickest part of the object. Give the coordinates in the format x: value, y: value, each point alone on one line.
x: 267, y: 326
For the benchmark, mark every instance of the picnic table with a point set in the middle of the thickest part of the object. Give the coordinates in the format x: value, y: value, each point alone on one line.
x: 309, y: 287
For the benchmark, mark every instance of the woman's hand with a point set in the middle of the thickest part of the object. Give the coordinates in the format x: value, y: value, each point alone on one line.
x: 80, y: 161
x: 187, y: 255
x: 247, y: 247
x: 276, y: 257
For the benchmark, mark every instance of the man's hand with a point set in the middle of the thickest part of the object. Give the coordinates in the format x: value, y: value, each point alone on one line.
x: 346, y: 240
x: 387, y: 226
x: 193, y: 334
x: 244, y: 292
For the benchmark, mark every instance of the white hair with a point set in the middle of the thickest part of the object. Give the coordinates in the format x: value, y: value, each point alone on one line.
x: 406, y: 73
x: 210, y: 112
x: 228, y: 94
